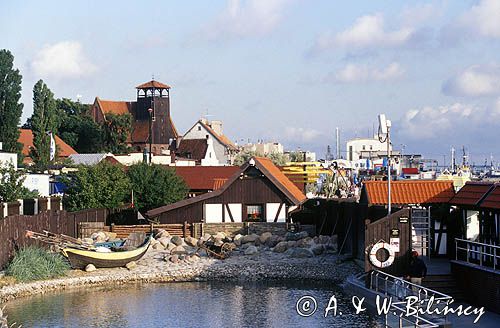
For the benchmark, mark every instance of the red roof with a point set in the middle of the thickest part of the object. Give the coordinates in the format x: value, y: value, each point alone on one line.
x: 205, y: 177
x: 472, y: 193
x: 492, y: 200
x: 222, y: 138
x: 409, y: 192
x: 26, y: 138
x: 153, y: 84
x: 113, y: 107
x: 192, y: 148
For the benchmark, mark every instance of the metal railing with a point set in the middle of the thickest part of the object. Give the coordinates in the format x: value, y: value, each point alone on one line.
x: 395, y: 287
x: 486, y: 255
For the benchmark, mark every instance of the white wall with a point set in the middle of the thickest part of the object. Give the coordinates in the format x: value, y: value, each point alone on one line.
x: 236, y: 211
x: 38, y: 182
x: 272, y: 209
x: 213, y: 213
x: 472, y: 223
x: 8, y: 157
x: 368, y: 144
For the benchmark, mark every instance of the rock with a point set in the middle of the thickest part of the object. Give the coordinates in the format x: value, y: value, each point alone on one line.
x: 317, y: 249
x: 264, y: 237
x: 176, y: 240
x: 174, y: 258
x: 99, y: 237
x: 251, y: 250
x: 218, y: 242
x: 178, y: 250
x: 305, y: 243
x: 220, y: 235
x: 161, y: 233
x: 164, y: 241
x: 171, y: 246
x: 158, y: 246
x: 291, y: 244
x: 110, y: 235
x: 237, y: 237
x: 257, y: 242
x: 191, y: 241
x: 300, y: 253
x: 316, y: 240
x: 249, y: 238
x: 237, y: 242
x: 296, y: 236
x: 333, y: 239
x: 90, y: 268
x: 207, y: 236
x: 245, y: 246
x: 194, y: 258
x: 272, y: 241
x: 89, y: 241
x: 280, y: 247
x: 182, y: 257
x: 323, y: 239
x: 131, y: 265
x: 200, y: 241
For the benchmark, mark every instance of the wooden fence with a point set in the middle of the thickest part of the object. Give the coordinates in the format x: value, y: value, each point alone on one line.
x: 13, y: 228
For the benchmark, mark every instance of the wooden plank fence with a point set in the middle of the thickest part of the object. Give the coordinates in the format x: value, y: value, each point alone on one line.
x: 13, y: 228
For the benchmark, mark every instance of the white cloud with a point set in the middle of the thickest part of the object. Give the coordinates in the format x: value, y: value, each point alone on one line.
x: 367, y: 32
x: 246, y: 19
x: 419, y: 14
x: 361, y: 73
x: 476, y: 80
x: 62, y: 60
x: 301, y: 134
x: 484, y: 18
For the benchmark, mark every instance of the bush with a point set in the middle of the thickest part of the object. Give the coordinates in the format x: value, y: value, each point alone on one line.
x: 35, y: 263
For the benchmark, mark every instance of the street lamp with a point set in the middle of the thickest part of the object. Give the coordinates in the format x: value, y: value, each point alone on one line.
x: 150, y: 110
x: 384, y: 135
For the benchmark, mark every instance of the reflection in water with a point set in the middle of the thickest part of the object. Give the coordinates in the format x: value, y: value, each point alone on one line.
x: 186, y: 305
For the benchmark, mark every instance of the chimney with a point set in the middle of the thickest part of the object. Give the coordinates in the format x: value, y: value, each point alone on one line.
x: 216, y: 126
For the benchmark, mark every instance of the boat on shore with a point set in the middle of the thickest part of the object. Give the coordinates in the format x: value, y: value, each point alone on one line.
x: 114, y: 257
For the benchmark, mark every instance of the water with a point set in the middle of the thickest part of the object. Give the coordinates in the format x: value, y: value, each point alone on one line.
x: 186, y: 305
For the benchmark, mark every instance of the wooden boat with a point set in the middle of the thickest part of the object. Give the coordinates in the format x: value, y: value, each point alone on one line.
x: 80, y: 258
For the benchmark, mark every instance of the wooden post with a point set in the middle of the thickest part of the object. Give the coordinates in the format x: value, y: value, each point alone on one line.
x: 111, y: 227
x: 184, y: 229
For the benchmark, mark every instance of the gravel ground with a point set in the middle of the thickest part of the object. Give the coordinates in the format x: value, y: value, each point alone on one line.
x: 152, y: 267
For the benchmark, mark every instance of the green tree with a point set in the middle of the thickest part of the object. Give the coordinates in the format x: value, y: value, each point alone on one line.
x: 43, y: 121
x: 10, y: 107
x: 155, y: 185
x: 117, y: 128
x: 244, y: 156
x: 98, y: 186
x: 81, y: 133
x: 11, y: 184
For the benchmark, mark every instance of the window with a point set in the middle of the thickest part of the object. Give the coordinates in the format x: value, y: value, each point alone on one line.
x: 364, y: 147
x: 199, y: 128
x: 255, y: 213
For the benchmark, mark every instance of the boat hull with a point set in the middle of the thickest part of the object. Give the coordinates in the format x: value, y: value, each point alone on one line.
x: 79, y: 259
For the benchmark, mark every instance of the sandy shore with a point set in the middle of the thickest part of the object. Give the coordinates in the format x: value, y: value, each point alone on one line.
x: 153, y: 268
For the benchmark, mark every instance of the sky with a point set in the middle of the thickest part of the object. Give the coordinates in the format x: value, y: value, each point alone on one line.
x: 289, y: 71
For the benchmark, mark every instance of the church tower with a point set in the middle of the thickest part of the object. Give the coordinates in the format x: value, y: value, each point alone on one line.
x: 153, y: 102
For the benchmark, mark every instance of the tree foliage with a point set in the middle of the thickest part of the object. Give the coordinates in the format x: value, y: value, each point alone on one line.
x: 155, y: 185
x: 10, y: 107
x: 99, y: 186
x: 117, y: 128
x: 11, y: 184
x: 43, y: 121
x: 244, y: 156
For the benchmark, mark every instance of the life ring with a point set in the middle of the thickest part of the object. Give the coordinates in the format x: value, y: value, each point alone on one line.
x: 373, y: 255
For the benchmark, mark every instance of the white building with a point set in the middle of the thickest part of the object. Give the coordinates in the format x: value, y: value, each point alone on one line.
x: 264, y: 148
x: 369, y: 148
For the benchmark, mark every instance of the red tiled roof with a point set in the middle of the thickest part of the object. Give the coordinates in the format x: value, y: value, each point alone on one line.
x: 472, y: 193
x: 26, y: 138
x: 153, y: 84
x: 409, y: 192
x: 492, y: 200
x: 280, y: 179
x: 205, y: 177
x: 113, y: 107
x: 192, y: 148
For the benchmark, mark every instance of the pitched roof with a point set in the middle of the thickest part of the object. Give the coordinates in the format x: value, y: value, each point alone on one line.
x: 153, y: 84
x: 222, y: 138
x: 113, y: 107
x: 265, y: 165
x: 88, y: 159
x: 192, y: 149
x: 492, y: 200
x: 205, y: 177
x: 26, y: 138
x: 472, y: 193
x: 409, y: 192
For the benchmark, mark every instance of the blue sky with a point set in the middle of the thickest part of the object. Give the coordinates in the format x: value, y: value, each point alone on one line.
x: 288, y: 71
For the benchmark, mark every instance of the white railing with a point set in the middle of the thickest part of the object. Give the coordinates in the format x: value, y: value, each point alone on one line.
x: 486, y: 255
x: 400, y: 289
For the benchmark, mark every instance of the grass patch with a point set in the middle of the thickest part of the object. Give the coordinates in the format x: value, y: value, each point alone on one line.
x: 35, y: 263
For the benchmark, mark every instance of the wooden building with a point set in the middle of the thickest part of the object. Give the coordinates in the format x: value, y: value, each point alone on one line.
x: 153, y: 103
x: 203, y: 179
x: 257, y: 192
